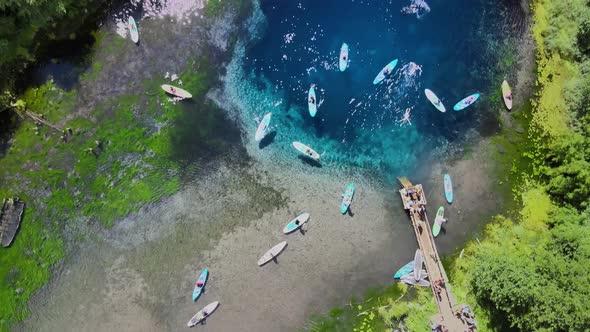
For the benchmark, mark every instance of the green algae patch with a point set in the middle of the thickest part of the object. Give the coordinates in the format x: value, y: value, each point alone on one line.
x: 25, y: 266
x: 106, y: 164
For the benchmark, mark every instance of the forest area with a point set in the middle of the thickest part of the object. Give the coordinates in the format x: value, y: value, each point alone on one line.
x: 31, y: 31
x: 531, y: 271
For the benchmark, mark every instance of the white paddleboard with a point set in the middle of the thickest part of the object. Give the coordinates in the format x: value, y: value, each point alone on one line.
x: 203, y: 313
x: 343, y: 61
x: 306, y: 150
x: 176, y: 91
x: 312, y: 102
x: 271, y: 253
x: 434, y: 100
x: 262, y: 127
x: 507, y: 95
x: 418, y: 260
x: 133, y: 30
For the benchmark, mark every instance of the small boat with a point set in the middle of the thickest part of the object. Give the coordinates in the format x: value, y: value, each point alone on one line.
x: 296, y: 223
x: 507, y: 95
x: 272, y: 253
x: 465, y: 102
x: 418, y: 261
x: 385, y: 71
x: 262, y: 127
x: 133, y: 30
x: 201, y: 280
x: 306, y: 150
x: 312, y: 102
x: 347, y: 198
x: 434, y: 100
x: 202, y: 314
x: 448, y: 188
x: 440, y: 218
x: 175, y: 91
x: 10, y: 219
x: 343, y: 61
x: 404, y: 270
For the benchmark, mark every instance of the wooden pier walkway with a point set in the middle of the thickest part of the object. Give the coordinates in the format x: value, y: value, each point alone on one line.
x: 449, y: 317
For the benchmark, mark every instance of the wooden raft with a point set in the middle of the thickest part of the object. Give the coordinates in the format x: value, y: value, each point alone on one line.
x: 10, y: 218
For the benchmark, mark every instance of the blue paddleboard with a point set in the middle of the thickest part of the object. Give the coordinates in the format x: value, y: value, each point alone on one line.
x: 405, y: 270
x: 202, y: 278
x: 312, y: 102
x: 347, y: 198
x: 465, y: 102
x: 343, y: 60
x: 385, y: 71
x: 448, y: 188
x: 296, y: 223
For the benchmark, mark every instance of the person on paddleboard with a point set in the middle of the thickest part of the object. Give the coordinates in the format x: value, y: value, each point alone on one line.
x: 311, y: 100
x: 199, y: 284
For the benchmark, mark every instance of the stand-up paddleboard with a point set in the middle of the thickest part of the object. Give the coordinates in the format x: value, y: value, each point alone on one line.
x: 435, y: 100
x: 312, y: 102
x: 465, y: 102
x: 507, y: 95
x: 296, y: 223
x: 306, y: 150
x: 408, y: 279
x: 133, y: 30
x: 448, y: 188
x: 440, y: 215
x: 347, y: 198
x: 203, y: 313
x: 343, y: 61
x: 418, y: 260
x: 385, y: 71
x: 272, y: 253
x: 405, y: 270
x: 175, y: 91
x: 201, y: 280
x: 262, y: 127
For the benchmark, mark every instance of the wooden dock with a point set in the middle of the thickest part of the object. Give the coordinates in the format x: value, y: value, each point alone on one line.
x: 449, y: 317
x: 10, y: 218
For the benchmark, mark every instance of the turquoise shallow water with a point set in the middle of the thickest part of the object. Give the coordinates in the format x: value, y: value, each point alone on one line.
x: 451, y: 49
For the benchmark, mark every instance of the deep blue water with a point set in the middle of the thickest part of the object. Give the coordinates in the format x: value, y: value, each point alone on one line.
x: 451, y: 49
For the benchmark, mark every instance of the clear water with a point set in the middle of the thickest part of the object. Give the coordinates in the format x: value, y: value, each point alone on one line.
x: 358, y: 123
